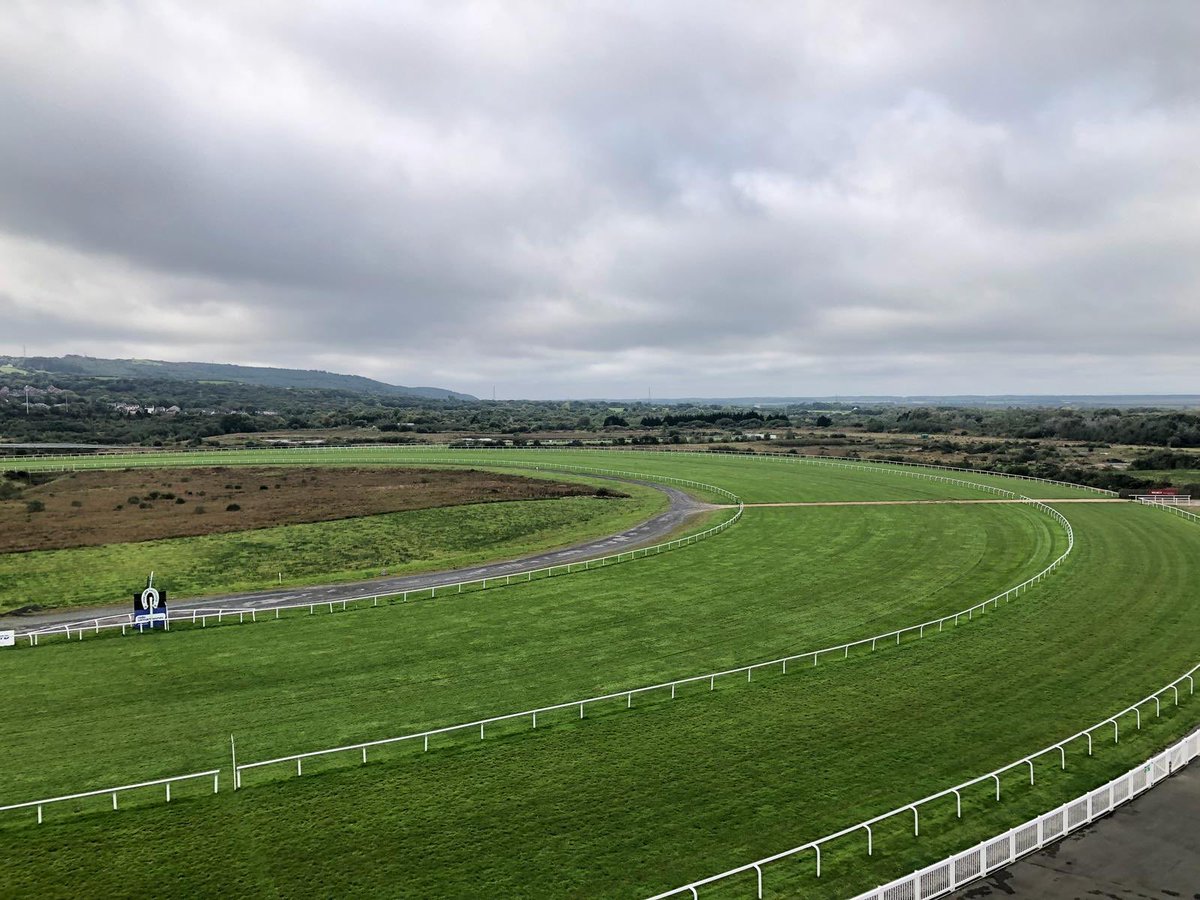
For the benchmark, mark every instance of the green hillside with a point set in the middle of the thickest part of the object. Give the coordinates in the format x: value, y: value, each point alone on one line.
x: 195, y: 371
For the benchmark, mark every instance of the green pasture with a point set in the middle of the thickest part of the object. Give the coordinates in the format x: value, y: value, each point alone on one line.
x: 321, y: 552
x: 627, y: 802
x: 782, y: 581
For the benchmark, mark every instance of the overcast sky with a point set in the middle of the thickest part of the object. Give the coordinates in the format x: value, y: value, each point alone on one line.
x: 604, y: 199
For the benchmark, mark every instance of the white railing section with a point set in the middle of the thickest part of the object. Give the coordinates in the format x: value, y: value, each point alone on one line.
x: 214, y: 774
x: 1182, y: 513
x: 672, y: 686
x: 125, y: 623
x: 961, y: 869
x: 389, y: 451
x: 1165, y: 499
x: 1058, y: 747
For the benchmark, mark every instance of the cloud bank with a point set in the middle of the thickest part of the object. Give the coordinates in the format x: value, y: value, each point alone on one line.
x: 599, y: 199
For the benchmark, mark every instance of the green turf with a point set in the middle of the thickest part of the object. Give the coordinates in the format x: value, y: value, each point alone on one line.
x: 624, y: 803
x: 318, y: 553
x: 784, y: 580
x: 628, y: 803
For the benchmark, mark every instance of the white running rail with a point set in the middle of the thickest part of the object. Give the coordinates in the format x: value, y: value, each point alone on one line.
x: 961, y: 869
x: 864, y: 827
x: 1182, y: 513
x: 214, y: 774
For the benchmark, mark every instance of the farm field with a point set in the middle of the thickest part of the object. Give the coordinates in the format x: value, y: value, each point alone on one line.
x: 627, y: 802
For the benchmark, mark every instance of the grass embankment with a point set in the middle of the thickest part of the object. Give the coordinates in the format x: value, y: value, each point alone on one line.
x: 627, y: 803
x: 318, y: 553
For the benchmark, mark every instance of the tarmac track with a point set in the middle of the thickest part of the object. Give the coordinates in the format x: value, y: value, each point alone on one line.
x: 1150, y: 847
x: 683, y: 507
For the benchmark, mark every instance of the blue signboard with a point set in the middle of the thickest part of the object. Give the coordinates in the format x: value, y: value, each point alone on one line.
x: 150, y: 607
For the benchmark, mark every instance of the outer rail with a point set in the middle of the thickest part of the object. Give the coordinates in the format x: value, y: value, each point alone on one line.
x: 1058, y: 747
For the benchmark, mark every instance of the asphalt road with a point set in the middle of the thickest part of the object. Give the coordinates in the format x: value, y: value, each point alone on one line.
x: 682, y: 508
x: 1148, y: 848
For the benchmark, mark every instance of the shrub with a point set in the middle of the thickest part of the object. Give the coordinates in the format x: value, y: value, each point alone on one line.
x: 35, y: 506
x: 77, y: 503
x: 263, y: 487
x: 145, y: 505
x: 179, y: 500
x: 232, y: 507
x: 200, y: 510
x: 134, y: 500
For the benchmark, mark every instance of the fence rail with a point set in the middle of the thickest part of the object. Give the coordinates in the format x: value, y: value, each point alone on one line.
x: 1058, y: 747
x: 1182, y: 513
x: 214, y: 774
x: 628, y: 694
x: 963, y: 868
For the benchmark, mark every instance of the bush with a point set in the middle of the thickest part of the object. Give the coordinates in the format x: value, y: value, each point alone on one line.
x: 35, y: 506
x: 179, y: 500
x: 145, y: 505
x: 232, y: 507
x: 200, y: 510
x: 77, y: 503
x: 134, y: 501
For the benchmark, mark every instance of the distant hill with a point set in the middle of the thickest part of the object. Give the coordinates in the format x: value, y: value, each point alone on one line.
x: 221, y: 372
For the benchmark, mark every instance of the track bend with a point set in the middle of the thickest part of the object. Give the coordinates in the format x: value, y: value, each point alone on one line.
x: 683, y: 507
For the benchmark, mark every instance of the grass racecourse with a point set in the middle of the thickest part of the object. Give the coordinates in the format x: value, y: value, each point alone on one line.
x: 627, y: 802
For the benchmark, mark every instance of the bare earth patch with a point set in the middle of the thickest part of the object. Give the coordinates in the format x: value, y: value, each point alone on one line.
x: 92, y: 508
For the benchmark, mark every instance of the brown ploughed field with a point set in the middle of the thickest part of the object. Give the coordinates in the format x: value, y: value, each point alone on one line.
x: 92, y: 508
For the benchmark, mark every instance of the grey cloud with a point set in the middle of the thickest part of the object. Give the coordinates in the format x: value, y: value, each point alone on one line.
x: 775, y: 198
